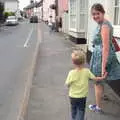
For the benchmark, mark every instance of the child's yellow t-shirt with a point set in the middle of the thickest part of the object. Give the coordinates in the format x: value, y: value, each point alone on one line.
x: 77, y: 82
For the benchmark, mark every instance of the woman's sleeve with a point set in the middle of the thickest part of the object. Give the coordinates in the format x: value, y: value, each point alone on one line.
x: 105, y: 33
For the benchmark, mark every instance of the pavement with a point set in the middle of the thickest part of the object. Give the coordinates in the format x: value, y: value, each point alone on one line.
x: 17, y: 46
x: 48, y: 95
x: 111, y: 106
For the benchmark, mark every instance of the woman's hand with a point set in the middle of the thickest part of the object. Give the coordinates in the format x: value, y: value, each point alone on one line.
x: 104, y: 75
x: 103, y: 72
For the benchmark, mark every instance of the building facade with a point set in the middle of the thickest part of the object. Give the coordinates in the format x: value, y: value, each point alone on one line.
x: 63, y: 15
x: 34, y: 9
x: 42, y: 9
x: 11, y: 5
x: 78, y: 19
x: 62, y: 7
x: 48, y: 11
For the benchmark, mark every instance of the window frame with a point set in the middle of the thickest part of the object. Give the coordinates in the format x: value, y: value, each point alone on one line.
x: 73, y: 15
x: 116, y: 20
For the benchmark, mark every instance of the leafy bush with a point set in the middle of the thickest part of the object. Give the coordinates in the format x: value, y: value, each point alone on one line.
x: 6, y: 14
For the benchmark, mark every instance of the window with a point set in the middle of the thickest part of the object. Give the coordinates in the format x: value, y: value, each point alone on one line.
x: 116, y: 12
x: 83, y: 15
x: 73, y: 14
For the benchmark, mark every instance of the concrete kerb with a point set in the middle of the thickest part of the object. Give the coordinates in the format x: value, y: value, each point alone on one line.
x: 24, y: 104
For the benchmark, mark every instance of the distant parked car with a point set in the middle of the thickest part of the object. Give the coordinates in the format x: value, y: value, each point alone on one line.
x: 12, y: 20
x: 34, y: 19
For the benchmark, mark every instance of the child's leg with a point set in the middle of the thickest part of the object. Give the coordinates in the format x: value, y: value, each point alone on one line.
x: 81, y: 108
x: 73, y: 102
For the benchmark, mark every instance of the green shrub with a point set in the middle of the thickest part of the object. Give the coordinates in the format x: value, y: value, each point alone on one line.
x: 6, y: 14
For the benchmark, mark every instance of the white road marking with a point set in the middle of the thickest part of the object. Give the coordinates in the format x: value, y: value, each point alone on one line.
x: 28, y: 38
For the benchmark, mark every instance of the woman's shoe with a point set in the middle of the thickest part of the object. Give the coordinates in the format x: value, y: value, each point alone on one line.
x: 95, y: 108
x: 92, y: 107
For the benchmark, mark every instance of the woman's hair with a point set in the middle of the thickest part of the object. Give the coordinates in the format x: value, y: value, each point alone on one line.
x: 98, y: 7
x: 78, y: 57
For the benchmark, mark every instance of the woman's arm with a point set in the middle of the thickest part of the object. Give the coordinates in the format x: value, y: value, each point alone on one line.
x: 105, y: 33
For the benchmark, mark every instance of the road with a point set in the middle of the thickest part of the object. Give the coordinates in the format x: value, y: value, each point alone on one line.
x: 17, y: 45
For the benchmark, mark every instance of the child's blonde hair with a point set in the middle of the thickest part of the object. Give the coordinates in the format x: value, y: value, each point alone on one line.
x: 78, y: 57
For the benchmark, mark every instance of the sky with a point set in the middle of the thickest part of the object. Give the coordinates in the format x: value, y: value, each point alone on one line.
x: 23, y: 3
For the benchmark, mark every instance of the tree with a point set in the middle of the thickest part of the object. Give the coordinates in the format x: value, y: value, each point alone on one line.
x: 6, y: 14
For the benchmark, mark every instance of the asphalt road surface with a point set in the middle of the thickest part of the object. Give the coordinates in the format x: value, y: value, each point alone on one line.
x: 17, y: 45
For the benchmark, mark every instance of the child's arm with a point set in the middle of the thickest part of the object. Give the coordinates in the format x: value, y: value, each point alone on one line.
x: 68, y: 80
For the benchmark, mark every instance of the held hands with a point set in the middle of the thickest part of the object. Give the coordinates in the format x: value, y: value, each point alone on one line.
x: 102, y: 77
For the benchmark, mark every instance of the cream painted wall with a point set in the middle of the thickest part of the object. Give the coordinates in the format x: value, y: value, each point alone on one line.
x: 11, y: 6
x: 47, y: 11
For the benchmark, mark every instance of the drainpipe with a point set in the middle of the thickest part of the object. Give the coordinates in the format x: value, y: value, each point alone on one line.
x: 56, y: 10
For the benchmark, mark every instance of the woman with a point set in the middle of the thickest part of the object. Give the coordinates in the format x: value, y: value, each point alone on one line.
x: 103, y: 57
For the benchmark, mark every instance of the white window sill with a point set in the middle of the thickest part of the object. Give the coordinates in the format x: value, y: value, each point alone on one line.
x: 116, y: 26
x: 72, y: 30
